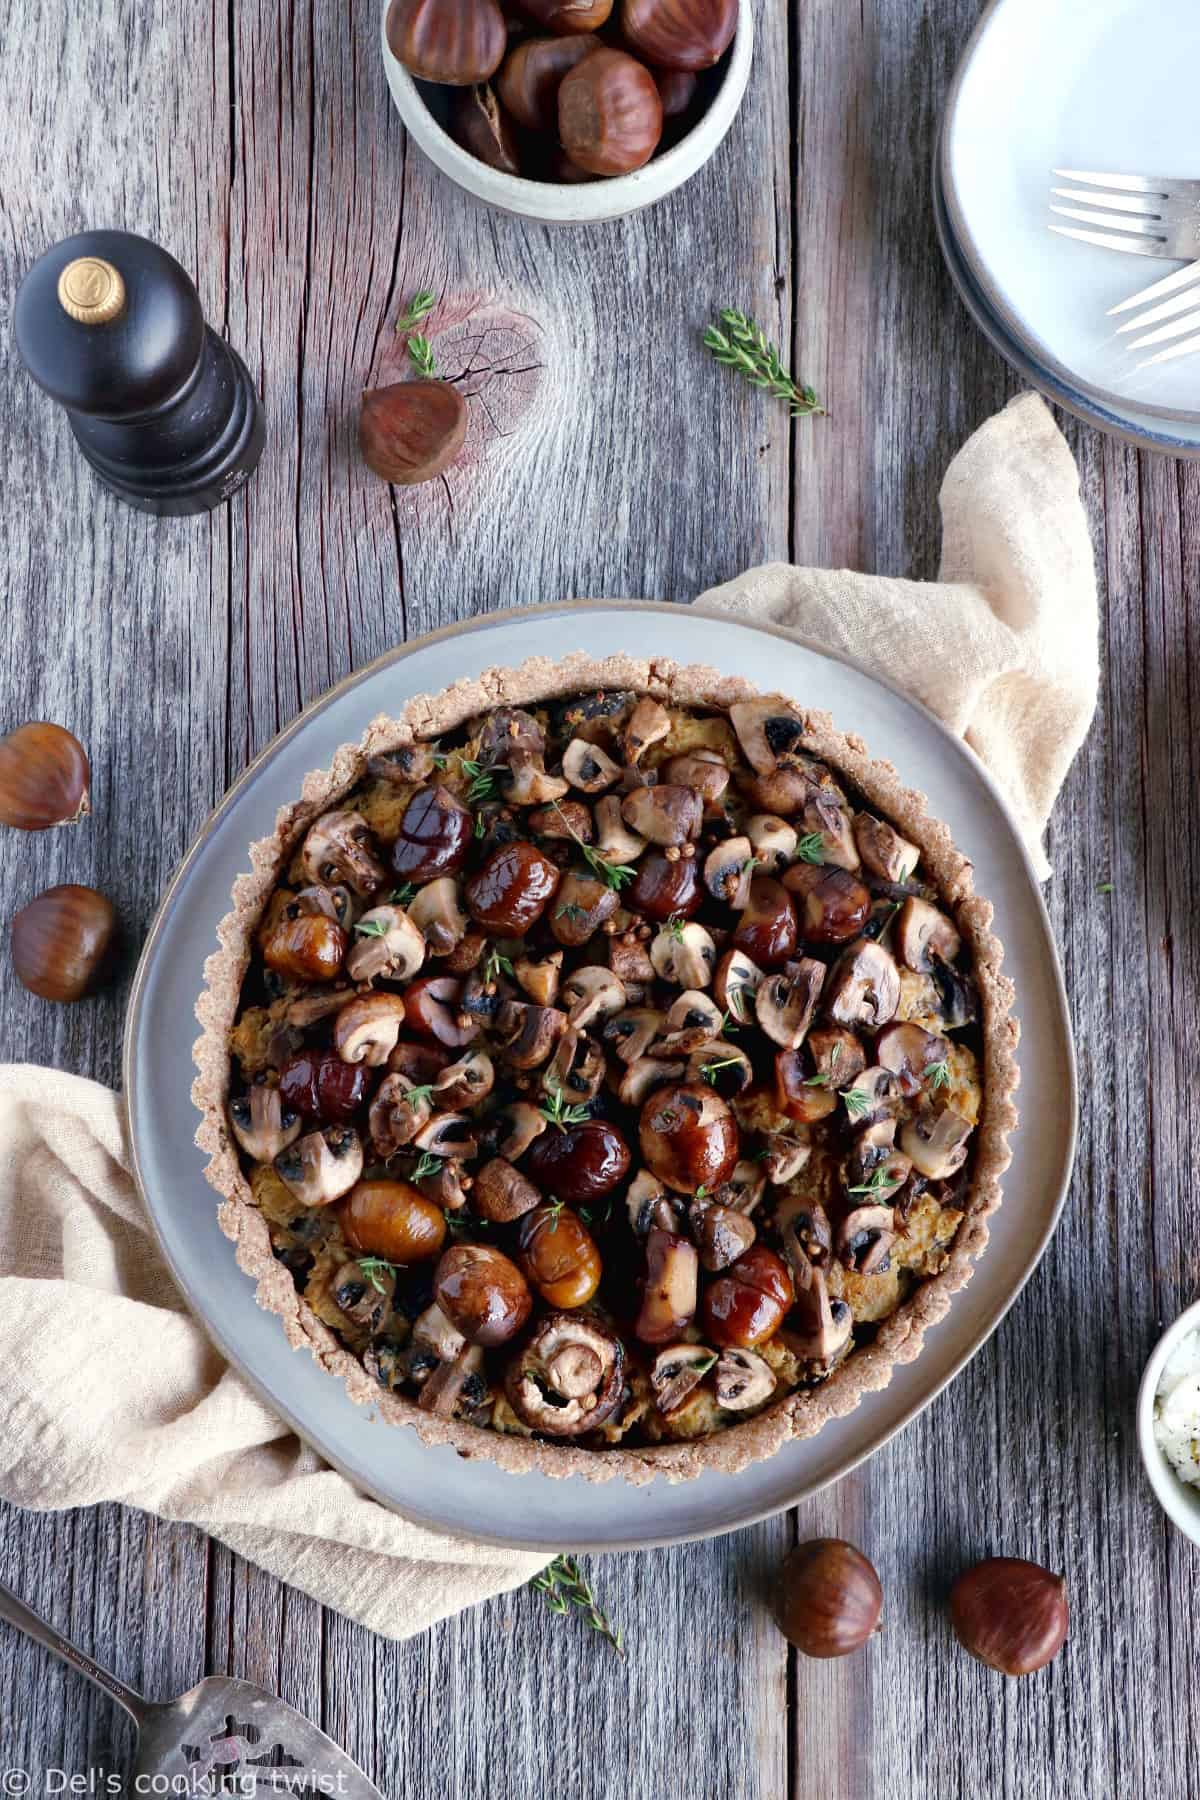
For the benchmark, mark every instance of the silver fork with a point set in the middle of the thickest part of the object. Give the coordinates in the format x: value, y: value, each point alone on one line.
x: 1145, y: 215
x: 1177, y: 299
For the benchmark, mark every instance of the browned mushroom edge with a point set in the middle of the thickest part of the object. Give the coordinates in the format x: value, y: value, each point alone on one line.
x: 498, y: 1005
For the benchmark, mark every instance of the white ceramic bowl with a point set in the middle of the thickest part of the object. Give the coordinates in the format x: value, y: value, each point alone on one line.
x: 1178, y: 1499
x: 576, y: 203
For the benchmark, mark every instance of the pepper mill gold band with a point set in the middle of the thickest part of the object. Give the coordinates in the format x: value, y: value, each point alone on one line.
x: 91, y: 290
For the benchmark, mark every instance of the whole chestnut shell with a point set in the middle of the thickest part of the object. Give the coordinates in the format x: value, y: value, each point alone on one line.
x: 61, y: 942
x: 44, y: 777
x: 829, y: 1598
x: 568, y: 16
x: 457, y: 42
x: 609, y: 113
x: 578, y: 1164
x: 531, y: 74
x: 482, y: 126
x: 412, y: 430
x: 482, y: 1292
x: 679, y: 34
x: 1010, y: 1614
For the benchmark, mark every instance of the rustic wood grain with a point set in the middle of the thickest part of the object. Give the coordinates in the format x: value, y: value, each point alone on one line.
x: 606, y: 457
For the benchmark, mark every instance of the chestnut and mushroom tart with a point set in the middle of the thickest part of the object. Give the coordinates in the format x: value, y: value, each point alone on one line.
x: 611, y: 1073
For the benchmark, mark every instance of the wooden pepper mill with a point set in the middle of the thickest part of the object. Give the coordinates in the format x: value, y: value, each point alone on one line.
x: 164, y: 411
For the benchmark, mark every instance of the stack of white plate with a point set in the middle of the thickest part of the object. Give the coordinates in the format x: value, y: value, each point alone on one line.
x: 1106, y: 85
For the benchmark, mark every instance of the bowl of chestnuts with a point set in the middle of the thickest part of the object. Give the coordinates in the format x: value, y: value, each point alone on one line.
x: 568, y: 111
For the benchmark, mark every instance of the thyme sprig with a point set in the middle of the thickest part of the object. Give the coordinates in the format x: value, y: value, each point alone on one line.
x: 482, y: 778
x: 876, y: 1182
x: 811, y: 847
x: 495, y: 965
x: 420, y: 352
x: 371, y: 928
x: 564, y: 1585
x: 858, y: 1102
x: 615, y: 874
x: 742, y: 345
x: 375, y: 1268
x: 938, y: 1075
x: 420, y: 305
x: 428, y: 1164
x: 558, y: 1112
x: 710, y: 1070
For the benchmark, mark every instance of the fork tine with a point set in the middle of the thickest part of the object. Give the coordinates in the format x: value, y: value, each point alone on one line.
x: 1170, y: 284
x: 1137, y: 246
x: 1184, y: 349
x: 1129, y: 184
x: 1112, y: 221
x: 1169, y: 309
x: 1165, y: 333
x: 1128, y: 203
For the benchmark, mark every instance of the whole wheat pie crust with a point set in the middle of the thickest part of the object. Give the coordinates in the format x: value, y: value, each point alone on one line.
x: 676, y: 1393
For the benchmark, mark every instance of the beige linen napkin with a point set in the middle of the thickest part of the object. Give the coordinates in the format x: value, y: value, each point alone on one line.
x: 1004, y: 645
x: 111, y: 1391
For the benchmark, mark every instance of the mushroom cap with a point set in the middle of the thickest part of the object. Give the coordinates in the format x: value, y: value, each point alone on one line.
x: 728, y: 870
x: 665, y: 814
x: 339, y: 847
x: 526, y: 1033
x: 884, y: 852
x: 937, y: 1145
x: 864, y: 1237
x: 261, y: 1124
x: 588, y: 767
x: 721, y: 1234
x: 615, y: 841
x: 744, y: 1380
x: 923, y: 933
x: 737, y: 980
x: 772, y: 840
x: 321, y: 1166
x: 647, y: 724
x: 436, y: 914
x: 395, y: 1117
x: 768, y: 729
x: 864, y: 987
x: 592, y: 993
x: 387, y: 943
x: 501, y: 1193
x: 677, y: 1373
x: 368, y: 1028
x: 569, y: 1377
x: 786, y: 1001
x: 465, y: 1082
x: 684, y: 954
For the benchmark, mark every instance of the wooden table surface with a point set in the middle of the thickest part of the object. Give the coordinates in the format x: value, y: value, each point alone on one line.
x: 257, y: 141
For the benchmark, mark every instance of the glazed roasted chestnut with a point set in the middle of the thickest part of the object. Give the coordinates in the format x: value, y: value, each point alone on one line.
x: 391, y: 1219
x: 581, y: 905
x: 309, y: 947
x: 568, y: 15
x: 609, y: 113
x: 766, y: 931
x: 457, y: 42
x: 680, y: 34
x: 747, y: 1305
x: 834, y: 905
x: 482, y: 1292
x: 688, y: 1137
x: 511, y: 890
x: 578, y: 1164
x: 529, y: 80
x: 797, y: 1095
x: 435, y: 834
x: 482, y: 126
x: 559, y: 1256
x: 665, y: 890
x: 320, y: 1086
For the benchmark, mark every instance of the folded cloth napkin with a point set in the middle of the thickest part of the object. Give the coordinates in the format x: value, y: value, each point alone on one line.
x: 1003, y: 647
x: 113, y: 1392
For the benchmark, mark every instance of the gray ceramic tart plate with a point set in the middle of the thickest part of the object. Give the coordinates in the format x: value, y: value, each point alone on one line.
x: 435, y: 1487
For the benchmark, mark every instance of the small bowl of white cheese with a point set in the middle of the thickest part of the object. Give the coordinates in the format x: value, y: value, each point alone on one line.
x: 1168, y: 1422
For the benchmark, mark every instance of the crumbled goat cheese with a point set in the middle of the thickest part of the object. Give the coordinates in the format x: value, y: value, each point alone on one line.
x: 1177, y: 1409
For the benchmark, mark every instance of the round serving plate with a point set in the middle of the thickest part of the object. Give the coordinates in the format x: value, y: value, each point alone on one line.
x: 1118, y: 420
x: 474, y: 1499
x: 1107, y: 86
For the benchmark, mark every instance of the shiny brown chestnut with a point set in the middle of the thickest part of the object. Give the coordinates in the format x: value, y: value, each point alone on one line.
x: 431, y: 1006
x: 434, y: 836
x: 482, y: 1292
x: 44, y: 777
x: 320, y: 1086
x: 1010, y: 1614
x: 568, y: 16
x: 746, y: 1305
x: 766, y: 931
x: 456, y: 42
x: 665, y: 890
x: 828, y: 1598
x: 609, y: 113
x: 482, y: 126
x: 559, y: 1256
x: 309, y: 947
x: 688, y: 1137
x: 529, y: 78
x: 676, y: 90
x: 834, y: 905
x: 510, y: 892
x: 679, y: 34
x: 581, y: 905
x: 62, y: 942
x: 393, y: 1220
x: 581, y: 1163
x: 409, y: 431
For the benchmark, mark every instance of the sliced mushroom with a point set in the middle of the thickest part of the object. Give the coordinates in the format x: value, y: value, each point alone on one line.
x: 663, y: 814
x: 693, y: 1010
x: 566, y: 819
x: 958, y: 1000
x: 728, y: 870
x: 450, y: 1382
x: 307, y: 1009
x: 582, y: 904
x: 501, y: 1193
x: 888, y: 1175
x: 864, y: 988
x: 923, y: 933
x: 364, y: 1297
x: 772, y: 840
x: 438, y: 916
x: 261, y: 1123
x: 819, y: 1329
x: 388, y: 945
x: 529, y: 783
x: 339, y: 847
x: 576, y: 1070
x: 631, y: 1033
x: 434, y: 1331
x: 786, y: 1001
x: 876, y: 1094
x: 837, y: 1056
x: 517, y: 1126
x: 650, y: 1206
x: 446, y: 1185
x: 321, y: 1166
x: 805, y: 1233
x: 449, y: 1135
x: 677, y: 1373
x: 784, y: 792
x: 406, y: 765
x: 367, y: 1030
x: 745, y: 1187
x: 684, y: 954
x: 825, y: 813
x: 909, y: 1051
x: 671, y: 1293
x: 744, y: 1380
x: 569, y: 1377
x: 768, y: 731
x: 629, y: 959
x: 540, y: 978
x: 937, y: 1146
x: 528, y: 1033
x: 336, y: 903
x: 726, y: 1068
x: 643, y: 1076
x: 434, y: 1004
x: 872, y: 1146
x: 721, y: 1234
x: 785, y: 1158
x: 465, y: 1082
x: 588, y: 767
x: 703, y: 770
x: 648, y: 724
x: 590, y: 994
x: 884, y: 852
x: 396, y: 1116
x: 615, y: 842
x: 865, y: 1237
x: 735, y: 984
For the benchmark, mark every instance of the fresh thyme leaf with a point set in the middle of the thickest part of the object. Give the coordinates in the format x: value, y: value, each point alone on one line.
x: 592, y: 1218
x: 553, y: 1208
x: 811, y: 847
x: 858, y: 1102
x: 400, y: 896
x: 701, y: 1192
x: 421, y: 352
x: 465, y: 1221
x: 371, y: 928
x: 675, y: 926
x: 478, y: 825
x: 737, y: 1005
x: 826, y: 1080
x: 1105, y: 887
x: 876, y: 1182
x: 751, y: 862
x: 419, y: 307
x: 415, y: 1095
x: 817, y: 1081
x: 571, y: 910
x: 495, y: 965
x: 728, y: 1024
x: 615, y: 874
x: 740, y: 344
x: 438, y: 758
x: 427, y: 1164
x: 709, y: 1070
x: 375, y: 1268
x: 483, y: 780
x: 564, y: 1586
x: 938, y: 1075
x: 557, y: 1111
x: 833, y: 1056
x: 710, y: 1362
